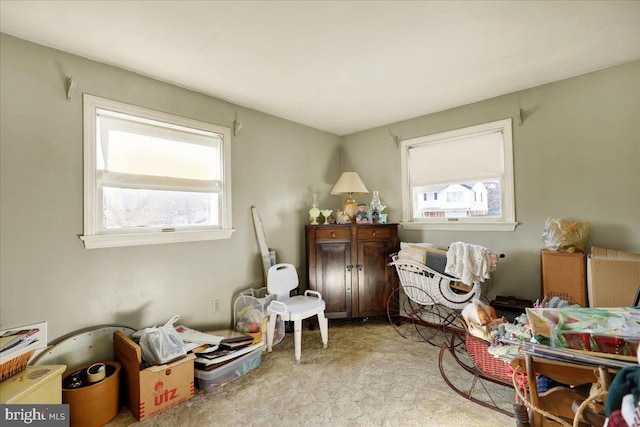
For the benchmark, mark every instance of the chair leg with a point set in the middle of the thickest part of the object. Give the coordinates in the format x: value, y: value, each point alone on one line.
x: 324, y: 329
x: 271, y: 328
x: 297, y: 338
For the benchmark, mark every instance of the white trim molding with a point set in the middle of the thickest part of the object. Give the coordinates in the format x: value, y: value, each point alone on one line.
x: 119, y: 240
x: 504, y: 155
x: 97, y: 236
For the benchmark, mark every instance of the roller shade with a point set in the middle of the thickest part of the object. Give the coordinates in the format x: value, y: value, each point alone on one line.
x: 142, y: 154
x: 148, y: 182
x: 471, y: 158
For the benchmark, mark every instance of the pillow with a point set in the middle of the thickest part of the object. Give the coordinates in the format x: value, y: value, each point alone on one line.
x: 412, y: 254
x: 417, y: 251
x: 436, y: 260
x: 404, y: 245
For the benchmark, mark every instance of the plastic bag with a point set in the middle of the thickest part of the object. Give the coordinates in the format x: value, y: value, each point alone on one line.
x: 163, y: 344
x: 560, y: 235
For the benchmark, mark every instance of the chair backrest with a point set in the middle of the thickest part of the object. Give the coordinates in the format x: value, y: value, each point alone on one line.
x: 281, y: 280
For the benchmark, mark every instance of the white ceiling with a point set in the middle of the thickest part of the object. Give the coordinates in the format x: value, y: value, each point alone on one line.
x: 340, y: 66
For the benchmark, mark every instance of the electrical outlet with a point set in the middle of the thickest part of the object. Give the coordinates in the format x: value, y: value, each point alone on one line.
x: 216, y: 305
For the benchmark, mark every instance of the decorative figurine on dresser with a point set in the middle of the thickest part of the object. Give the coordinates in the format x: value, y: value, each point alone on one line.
x: 362, y: 216
x: 326, y: 213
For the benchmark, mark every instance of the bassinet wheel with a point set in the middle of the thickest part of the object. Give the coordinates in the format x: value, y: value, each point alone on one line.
x: 414, y: 314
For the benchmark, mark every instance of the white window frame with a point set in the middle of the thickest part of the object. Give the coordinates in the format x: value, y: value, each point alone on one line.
x: 94, y: 237
x: 506, y: 222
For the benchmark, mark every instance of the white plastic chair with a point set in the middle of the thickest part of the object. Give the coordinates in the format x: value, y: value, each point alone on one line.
x: 281, y: 279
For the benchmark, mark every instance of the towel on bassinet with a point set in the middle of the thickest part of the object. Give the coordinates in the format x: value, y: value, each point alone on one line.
x: 470, y: 263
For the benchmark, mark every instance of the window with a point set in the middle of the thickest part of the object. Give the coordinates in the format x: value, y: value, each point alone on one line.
x: 455, y: 196
x: 430, y: 196
x: 460, y: 180
x: 151, y: 177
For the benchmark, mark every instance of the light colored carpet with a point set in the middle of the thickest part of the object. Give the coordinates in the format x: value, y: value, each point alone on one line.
x: 368, y: 376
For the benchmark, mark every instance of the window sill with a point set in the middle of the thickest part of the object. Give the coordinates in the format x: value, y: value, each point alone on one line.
x: 138, y: 239
x: 460, y: 226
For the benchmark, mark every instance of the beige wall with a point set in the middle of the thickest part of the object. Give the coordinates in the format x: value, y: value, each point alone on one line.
x: 45, y: 272
x: 577, y: 155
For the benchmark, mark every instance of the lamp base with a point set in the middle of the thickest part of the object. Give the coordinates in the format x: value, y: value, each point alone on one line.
x: 350, y: 207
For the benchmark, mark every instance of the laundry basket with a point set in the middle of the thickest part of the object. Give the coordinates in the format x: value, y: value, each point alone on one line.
x: 250, y: 314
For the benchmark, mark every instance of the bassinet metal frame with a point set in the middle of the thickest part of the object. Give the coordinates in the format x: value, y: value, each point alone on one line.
x: 429, y: 303
x: 437, y: 285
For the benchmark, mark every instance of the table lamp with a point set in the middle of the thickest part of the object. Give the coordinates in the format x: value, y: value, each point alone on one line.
x: 350, y: 183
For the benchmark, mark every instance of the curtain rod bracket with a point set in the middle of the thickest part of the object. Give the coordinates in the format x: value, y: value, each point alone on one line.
x: 394, y: 138
x: 70, y: 84
x: 236, y: 125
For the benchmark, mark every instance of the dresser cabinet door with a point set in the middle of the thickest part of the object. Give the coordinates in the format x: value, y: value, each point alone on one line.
x: 333, y: 277
x: 375, y: 279
x: 329, y: 255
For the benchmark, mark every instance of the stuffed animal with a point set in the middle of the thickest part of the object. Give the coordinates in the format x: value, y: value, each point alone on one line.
x: 342, y: 217
x: 250, y: 319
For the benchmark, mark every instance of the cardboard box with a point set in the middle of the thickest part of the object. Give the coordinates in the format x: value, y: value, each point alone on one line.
x: 613, y: 277
x: 564, y: 275
x: 154, y: 389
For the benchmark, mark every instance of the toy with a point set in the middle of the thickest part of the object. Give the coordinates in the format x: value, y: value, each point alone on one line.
x: 249, y: 320
x: 342, y: 217
x: 249, y: 315
x: 481, y: 319
x: 361, y: 216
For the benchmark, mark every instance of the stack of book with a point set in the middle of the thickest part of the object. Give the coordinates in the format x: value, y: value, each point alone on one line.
x: 232, y: 346
x: 18, y: 345
x: 16, y: 342
x: 194, y: 339
x: 214, y: 349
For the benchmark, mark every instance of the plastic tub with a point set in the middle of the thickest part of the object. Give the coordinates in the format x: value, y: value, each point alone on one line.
x: 216, y: 378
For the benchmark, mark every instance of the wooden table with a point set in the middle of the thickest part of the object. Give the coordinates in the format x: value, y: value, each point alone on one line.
x: 558, y: 401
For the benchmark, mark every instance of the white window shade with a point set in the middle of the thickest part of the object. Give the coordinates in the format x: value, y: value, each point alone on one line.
x: 151, y: 177
x: 148, y: 182
x: 143, y: 155
x: 468, y: 159
x: 457, y: 164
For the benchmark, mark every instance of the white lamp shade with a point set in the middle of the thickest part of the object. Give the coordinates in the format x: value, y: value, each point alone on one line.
x: 349, y: 183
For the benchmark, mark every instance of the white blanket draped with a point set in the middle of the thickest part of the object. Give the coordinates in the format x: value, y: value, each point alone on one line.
x: 470, y: 263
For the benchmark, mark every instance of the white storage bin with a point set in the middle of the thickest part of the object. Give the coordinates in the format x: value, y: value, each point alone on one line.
x: 216, y: 378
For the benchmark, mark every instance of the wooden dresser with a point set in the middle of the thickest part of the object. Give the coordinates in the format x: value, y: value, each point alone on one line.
x: 347, y: 264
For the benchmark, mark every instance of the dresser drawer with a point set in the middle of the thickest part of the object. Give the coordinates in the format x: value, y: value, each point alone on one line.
x: 333, y: 234
x: 370, y: 233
